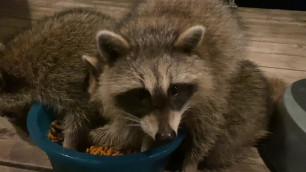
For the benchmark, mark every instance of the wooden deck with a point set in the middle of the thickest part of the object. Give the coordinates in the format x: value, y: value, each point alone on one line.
x: 276, y: 42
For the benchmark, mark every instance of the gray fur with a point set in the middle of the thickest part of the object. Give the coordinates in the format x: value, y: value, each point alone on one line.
x: 44, y: 64
x: 230, y: 109
x: 228, y: 112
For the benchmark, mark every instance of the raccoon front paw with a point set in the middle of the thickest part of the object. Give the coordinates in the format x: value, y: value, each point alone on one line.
x: 103, y: 136
x: 70, y: 141
x: 71, y: 138
x: 146, y: 144
x: 69, y: 144
x: 191, y: 167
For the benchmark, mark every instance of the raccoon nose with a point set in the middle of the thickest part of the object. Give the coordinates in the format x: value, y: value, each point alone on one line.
x: 165, y: 137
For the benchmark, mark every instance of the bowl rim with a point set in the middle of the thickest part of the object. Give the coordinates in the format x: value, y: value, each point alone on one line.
x: 40, y: 138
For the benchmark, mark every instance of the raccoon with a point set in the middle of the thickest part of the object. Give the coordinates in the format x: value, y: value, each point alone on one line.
x: 179, y: 64
x: 44, y: 64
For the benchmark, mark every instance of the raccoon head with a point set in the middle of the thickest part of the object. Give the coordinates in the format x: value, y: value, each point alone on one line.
x: 151, y: 91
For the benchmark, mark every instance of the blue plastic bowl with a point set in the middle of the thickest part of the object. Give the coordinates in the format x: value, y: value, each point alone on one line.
x: 62, y: 159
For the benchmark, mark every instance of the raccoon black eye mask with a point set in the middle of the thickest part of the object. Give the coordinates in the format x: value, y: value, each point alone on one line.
x: 136, y: 101
x: 179, y: 93
x: 140, y: 102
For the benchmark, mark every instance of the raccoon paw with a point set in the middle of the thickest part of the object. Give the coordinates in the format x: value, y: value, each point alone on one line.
x: 102, y: 136
x: 71, y: 138
x: 70, y: 141
x: 191, y: 167
x: 2, y: 47
x: 147, y: 143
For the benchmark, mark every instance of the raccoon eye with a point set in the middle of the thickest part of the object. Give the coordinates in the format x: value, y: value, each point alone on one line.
x: 173, y: 91
x: 142, y: 94
x: 179, y: 94
x: 136, y: 101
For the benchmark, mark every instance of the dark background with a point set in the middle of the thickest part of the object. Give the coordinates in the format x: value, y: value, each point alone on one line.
x: 274, y: 4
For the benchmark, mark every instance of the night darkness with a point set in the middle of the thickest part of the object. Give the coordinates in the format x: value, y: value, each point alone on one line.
x: 274, y: 4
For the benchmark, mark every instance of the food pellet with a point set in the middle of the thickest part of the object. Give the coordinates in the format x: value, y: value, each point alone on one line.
x: 56, y: 136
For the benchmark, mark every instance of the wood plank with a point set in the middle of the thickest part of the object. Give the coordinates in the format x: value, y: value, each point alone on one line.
x: 271, y: 33
x: 16, y: 22
x: 12, y: 169
x: 274, y: 32
x: 271, y: 20
x: 22, y: 154
x: 279, y: 26
x: 273, y: 15
x: 277, y: 61
x: 277, y: 48
x: 289, y: 76
x: 39, y: 9
x: 114, y: 11
x: 17, y: 149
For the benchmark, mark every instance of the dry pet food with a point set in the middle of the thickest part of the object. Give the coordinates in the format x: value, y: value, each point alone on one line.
x: 55, y: 135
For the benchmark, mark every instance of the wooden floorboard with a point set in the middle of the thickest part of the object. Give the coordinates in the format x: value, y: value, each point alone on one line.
x: 277, y: 48
x: 276, y: 42
x: 276, y: 33
x: 278, y: 61
x: 17, y: 149
x: 273, y: 15
x: 13, y: 169
x: 289, y: 76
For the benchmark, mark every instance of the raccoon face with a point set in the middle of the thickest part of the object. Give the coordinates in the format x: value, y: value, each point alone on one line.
x: 160, y: 110
x: 152, y: 93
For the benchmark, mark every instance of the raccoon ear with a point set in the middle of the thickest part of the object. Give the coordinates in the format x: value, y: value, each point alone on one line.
x: 111, y: 45
x: 92, y: 64
x: 94, y: 70
x: 2, y: 47
x: 190, y: 39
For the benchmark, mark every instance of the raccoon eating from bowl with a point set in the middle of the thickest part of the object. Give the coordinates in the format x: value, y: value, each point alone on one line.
x: 44, y: 64
x: 178, y: 63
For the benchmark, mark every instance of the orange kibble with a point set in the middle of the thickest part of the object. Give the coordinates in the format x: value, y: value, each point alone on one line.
x: 50, y: 135
x: 116, y: 153
x: 109, y: 151
x: 91, y: 148
x: 52, y: 130
x: 99, y: 149
x: 55, y: 136
x: 54, y: 122
x: 94, y: 153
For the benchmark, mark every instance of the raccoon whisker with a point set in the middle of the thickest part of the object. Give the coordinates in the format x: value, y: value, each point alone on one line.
x: 203, y: 118
x: 130, y: 115
x: 130, y: 119
x: 134, y: 125
x: 186, y: 108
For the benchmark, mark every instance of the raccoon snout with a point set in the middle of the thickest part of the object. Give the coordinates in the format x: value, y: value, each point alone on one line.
x: 165, y: 137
